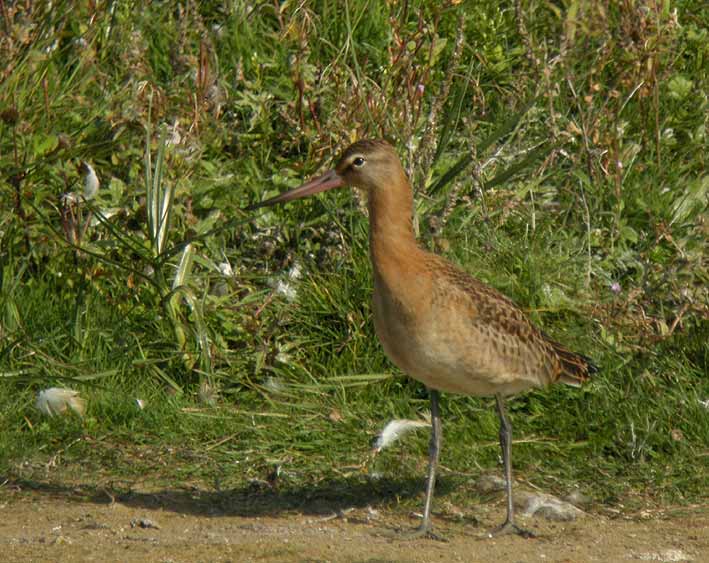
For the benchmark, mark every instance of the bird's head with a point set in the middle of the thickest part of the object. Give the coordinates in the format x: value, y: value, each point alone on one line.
x: 369, y: 165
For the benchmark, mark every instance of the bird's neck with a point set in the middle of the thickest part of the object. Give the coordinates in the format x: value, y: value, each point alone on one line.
x: 391, y: 233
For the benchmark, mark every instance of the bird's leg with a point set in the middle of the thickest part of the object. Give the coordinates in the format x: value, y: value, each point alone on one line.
x: 509, y: 527
x: 434, y: 450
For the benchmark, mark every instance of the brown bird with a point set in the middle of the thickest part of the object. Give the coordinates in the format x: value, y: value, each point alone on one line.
x: 436, y: 322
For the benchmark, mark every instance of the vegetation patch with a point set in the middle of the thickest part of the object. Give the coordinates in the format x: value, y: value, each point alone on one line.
x: 558, y: 153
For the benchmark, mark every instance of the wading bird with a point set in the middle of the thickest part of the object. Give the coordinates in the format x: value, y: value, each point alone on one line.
x: 436, y: 322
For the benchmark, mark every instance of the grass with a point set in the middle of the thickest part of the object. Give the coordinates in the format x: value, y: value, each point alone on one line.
x: 559, y: 154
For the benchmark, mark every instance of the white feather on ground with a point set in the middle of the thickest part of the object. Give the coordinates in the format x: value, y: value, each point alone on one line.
x: 397, y: 429
x: 91, y: 182
x: 57, y: 400
x: 225, y: 269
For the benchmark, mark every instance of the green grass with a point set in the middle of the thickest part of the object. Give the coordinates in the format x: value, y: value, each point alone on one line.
x: 559, y: 154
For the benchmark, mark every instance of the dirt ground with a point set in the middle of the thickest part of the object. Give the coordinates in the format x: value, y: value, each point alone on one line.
x: 41, y: 523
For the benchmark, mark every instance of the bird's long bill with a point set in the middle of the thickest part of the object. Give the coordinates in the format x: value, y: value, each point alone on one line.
x: 327, y: 181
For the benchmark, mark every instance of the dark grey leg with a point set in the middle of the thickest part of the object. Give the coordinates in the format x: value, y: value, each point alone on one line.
x: 506, y: 445
x: 434, y: 451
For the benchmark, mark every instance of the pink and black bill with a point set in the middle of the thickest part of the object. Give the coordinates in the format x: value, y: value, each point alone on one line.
x: 327, y: 181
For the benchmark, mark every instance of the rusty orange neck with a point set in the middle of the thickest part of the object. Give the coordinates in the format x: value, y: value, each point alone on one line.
x: 391, y: 233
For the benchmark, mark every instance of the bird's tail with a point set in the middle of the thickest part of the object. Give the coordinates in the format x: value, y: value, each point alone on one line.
x: 576, y: 368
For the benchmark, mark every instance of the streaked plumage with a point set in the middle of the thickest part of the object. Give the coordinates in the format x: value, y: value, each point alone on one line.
x: 437, y: 323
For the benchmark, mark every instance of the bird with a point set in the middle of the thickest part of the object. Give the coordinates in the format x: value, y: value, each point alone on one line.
x: 437, y: 323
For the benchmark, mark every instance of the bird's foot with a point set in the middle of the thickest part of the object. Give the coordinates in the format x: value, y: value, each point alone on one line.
x: 511, y: 528
x: 424, y: 531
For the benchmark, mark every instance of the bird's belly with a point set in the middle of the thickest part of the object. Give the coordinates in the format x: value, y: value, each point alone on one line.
x: 446, y: 357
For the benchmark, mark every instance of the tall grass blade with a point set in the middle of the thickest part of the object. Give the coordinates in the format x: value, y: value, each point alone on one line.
x: 466, y: 160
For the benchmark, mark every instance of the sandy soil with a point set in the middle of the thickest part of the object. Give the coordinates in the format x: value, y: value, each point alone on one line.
x: 44, y: 522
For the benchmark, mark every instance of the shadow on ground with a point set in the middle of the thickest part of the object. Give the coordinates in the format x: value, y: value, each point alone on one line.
x: 254, y: 499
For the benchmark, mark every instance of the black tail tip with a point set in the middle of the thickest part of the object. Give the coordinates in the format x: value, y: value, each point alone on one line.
x: 590, y: 365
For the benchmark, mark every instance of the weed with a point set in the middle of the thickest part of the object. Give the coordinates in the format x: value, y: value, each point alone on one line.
x: 558, y: 153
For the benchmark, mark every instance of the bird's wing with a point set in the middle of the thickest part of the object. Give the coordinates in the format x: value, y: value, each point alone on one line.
x: 520, y: 346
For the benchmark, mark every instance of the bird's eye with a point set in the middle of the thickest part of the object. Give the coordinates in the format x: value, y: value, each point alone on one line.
x: 358, y: 162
